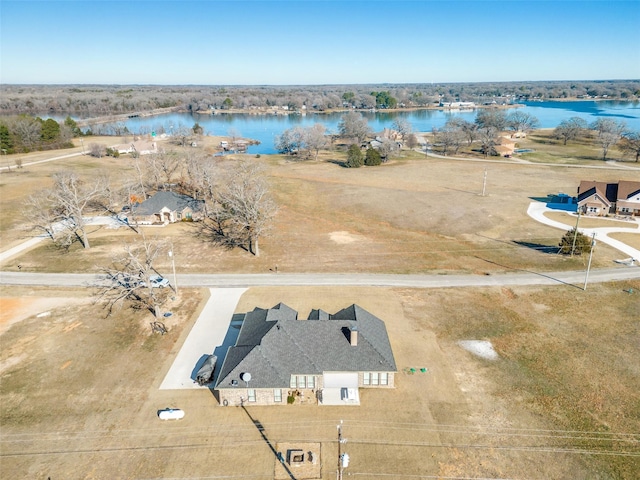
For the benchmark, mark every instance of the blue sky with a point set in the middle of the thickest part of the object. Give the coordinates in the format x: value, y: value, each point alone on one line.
x: 316, y: 42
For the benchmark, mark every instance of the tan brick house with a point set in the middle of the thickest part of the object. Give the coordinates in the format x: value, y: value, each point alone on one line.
x: 324, y: 360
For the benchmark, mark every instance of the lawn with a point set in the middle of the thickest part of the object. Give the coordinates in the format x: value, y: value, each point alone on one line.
x: 80, y: 391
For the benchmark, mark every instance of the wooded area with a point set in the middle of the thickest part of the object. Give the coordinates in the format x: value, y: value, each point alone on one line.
x: 102, y: 100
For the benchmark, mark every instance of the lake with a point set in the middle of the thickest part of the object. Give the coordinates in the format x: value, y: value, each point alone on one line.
x: 264, y: 128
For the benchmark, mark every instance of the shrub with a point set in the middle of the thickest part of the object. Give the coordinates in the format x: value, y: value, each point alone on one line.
x: 582, y: 243
x: 372, y: 157
x: 354, y: 157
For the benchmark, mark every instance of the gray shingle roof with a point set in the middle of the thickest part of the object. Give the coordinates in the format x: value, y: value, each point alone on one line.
x: 171, y: 200
x: 273, y: 344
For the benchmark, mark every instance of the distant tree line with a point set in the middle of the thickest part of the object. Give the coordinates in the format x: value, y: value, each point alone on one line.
x: 103, y: 100
x: 25, y: 133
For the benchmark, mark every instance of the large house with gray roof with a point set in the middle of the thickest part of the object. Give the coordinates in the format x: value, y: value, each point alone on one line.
x: 166, y: 207
x: 325, y: 359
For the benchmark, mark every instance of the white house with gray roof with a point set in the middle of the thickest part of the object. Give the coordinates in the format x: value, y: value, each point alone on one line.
x: 323, y: 360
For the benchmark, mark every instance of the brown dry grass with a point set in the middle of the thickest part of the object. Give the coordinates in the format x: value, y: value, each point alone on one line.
x: 409, y: 216
x: 83, y: 401
x: 80, y: 393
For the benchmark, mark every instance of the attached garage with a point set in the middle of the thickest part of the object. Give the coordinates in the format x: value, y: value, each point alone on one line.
x: 336, y: 384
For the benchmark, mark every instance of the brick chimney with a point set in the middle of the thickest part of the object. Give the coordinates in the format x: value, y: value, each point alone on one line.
x: 353, y: 336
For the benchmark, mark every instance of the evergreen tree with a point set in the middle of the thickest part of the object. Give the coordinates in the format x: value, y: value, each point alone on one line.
x: 354, y: 156
x: 6, y: 142
x: 372, y: 157
x: 582, y: 243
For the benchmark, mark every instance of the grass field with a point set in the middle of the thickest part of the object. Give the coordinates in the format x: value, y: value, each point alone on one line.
x: 79, y: 392
x: 80, y: 400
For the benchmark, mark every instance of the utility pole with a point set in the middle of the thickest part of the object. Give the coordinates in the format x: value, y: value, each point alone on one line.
x: 484, y: 182
x: 173, y: 264
x: 593, y: 246
x: 575, y: 233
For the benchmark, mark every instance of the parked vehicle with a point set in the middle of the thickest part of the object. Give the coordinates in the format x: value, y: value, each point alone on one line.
x: 205, y: 374
x: 170, y: 414
x: 156, y: 282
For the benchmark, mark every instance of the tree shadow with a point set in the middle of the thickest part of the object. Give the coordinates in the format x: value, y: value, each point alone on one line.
x: 340, y: 163
x: 260, y: 428
x: 539, y: 247
x: 463, y: 191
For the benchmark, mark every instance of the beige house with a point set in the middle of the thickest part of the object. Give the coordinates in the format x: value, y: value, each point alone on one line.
x: 601, y: 198
x: 140, y: 147
x: 164, y: 208
x: 324, y: 360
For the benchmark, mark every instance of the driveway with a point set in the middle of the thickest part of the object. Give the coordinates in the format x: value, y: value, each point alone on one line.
x: 212, y: 329
x: 108, y: 221
x: 536, y: 211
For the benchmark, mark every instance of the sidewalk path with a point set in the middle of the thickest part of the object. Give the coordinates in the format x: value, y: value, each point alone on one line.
x: 536, y: 211
x: 207, y: 333
x: 108, y: 221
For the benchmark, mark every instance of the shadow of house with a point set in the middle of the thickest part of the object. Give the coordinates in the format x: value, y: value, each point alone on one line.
x: 164, y: 208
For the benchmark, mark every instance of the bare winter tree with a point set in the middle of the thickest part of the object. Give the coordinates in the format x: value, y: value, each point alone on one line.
x: 316, y: 139
x: 488, y: 137
x: 570, y: 129
x: 243, y: 211
x: 449, y: 138
x: 354, y: 125
x: 97, y: 150
x: 198, y: 175
x: 631, y: 144
x: 524, y: 122
x: 28, y: 130
x: 388, y: 149
x: 609, y: 133
x: 70, y: 197
x: 290, y: 141
x: 129, y: 278
x: 46, y: 218
x: 403, y: 126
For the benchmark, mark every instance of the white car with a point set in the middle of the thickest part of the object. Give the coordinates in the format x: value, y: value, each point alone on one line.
x: 170, y: 414
x: 156, y: 282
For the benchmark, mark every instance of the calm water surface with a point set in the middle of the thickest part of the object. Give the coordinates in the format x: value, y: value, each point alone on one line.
x: 265, y: 127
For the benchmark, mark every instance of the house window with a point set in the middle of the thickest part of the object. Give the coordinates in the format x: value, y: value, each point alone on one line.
x: 375, y: 378
x: 302, y: 381
x: 277, y: 395
x: 251, y: 392
x: 593, y: 209
x: 625, y: 210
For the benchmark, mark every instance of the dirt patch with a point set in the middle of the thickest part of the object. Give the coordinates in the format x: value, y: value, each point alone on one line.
x: 480, y: 348
x: 15, y: 309
x: 343, y: 238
